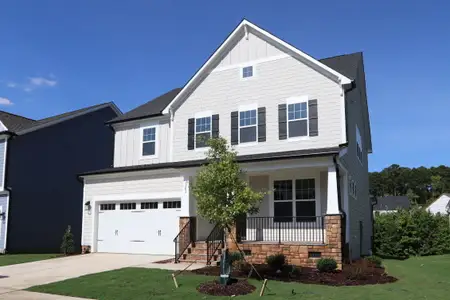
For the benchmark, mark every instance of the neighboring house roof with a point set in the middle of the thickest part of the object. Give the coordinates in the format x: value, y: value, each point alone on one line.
x: 241, y: 159
x: 346, y: 64
x: 440, y: 204
x: 152, y: 108
x: 392, y: 203
x: 21, y: 125
x: 14, y: 123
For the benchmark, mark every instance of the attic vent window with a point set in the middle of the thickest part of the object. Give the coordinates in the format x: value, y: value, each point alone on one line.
x: 247, y: 72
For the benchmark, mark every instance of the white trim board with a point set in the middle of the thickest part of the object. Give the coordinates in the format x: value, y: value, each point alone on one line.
x: 138, y: 196
x: 246, y: 26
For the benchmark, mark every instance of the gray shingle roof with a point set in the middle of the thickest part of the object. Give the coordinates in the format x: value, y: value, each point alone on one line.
x: 16, y: 123
x: 346, y: 64
x: 392, y: 203
x: 151, y: 108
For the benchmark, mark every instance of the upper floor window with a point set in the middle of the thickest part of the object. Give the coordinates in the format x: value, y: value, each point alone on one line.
x: 148, y: 141
x: 202, y: 131
x: 247, y: 126
x: 247, y: 72
x: 359, y: 148
x: 298, y: 119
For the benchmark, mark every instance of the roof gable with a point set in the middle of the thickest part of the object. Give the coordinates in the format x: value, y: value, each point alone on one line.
x: 14, y: 123
x: 242, y: 30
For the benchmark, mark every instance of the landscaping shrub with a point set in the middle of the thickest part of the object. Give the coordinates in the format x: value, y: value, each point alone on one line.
x: 276, y: 262
x: 326, y: 265
x: 235, y: 257
x: 67, y: 246
x: 374, y: 260
x: 411, y: 232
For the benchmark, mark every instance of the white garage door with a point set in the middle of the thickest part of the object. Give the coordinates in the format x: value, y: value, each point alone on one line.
x: 138, y: 227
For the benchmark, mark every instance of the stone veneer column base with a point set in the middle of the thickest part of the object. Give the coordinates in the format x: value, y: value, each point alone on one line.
x: 298, y: 254
x: 85, y: 249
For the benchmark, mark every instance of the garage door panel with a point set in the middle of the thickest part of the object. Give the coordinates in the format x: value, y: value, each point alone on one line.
x: 140, y: 231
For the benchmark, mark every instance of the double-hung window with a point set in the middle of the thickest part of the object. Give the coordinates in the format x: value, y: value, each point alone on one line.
x: 202, y: 131
x: 295, y: 200
x: 248, y: 126
x: 297, y: 119
x: 148, y: 141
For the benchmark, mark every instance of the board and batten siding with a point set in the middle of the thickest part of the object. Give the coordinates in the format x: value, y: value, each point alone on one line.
x: 136, y: 184
x: 4, y: 206
x: 223, y: 91
x: 128, y: 143
x: 2, y: 161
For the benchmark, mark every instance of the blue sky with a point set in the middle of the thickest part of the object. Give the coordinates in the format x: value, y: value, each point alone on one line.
x: 58, y: 55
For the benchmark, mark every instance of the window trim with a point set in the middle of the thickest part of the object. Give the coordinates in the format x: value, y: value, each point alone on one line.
x: 359, y: 144
x: 243, y: 108
x: 141, y: 143
x: 293, y: 178
x: 241, y: 71
x: 295, y: 100
x: 204, y: 114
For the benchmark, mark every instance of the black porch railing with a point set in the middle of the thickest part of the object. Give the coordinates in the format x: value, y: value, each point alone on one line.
x: 214, y: 241
x: 281, y: 229
x: 185, y: 237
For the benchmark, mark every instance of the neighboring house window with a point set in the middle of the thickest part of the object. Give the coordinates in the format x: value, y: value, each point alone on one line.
x: 247, y: 126
x: 148, y: 141
x: 202, y: 131
x: 298, y: 119
x: 359, y: 147
x: 295, y: 200
x: 247, y: 72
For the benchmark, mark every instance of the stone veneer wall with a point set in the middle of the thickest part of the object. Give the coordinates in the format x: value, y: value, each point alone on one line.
x: 297, y: 254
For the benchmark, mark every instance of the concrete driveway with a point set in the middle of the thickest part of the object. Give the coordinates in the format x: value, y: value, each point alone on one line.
x: 22, y: 276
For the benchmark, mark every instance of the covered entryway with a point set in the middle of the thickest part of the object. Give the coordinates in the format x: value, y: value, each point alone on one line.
x: 138, y: 227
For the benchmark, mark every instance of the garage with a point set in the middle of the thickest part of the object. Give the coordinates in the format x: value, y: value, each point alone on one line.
x: 139, y: 227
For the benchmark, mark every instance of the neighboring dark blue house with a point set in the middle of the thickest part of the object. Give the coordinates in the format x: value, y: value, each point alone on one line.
x: 40, y: 194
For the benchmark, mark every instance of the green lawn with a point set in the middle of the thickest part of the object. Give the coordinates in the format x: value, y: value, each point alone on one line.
x: 419, y: 278
x: 13, y: 259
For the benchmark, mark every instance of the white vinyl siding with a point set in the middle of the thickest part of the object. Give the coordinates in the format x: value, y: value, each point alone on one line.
x: 278, y: 80
x: 137, y: 184
x: 128, y: 143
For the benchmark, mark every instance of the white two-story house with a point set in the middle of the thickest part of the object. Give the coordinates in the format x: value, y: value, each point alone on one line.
x: 301, y: 129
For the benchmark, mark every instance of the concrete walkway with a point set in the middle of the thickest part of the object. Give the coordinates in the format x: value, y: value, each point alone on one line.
x: 22, y: 276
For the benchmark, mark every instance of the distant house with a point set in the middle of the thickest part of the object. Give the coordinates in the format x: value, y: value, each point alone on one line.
x: 440, y: 205
x: 391, y: 203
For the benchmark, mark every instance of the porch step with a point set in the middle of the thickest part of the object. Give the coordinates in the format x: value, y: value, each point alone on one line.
x: 199, y: 258
x: 201, y: 251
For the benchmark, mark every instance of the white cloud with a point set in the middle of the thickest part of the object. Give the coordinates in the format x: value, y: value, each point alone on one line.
x: 5, y: 101
x: 11, y: 84
x: 41, y: 81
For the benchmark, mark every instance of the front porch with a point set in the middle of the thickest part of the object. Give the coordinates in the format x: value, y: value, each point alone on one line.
x: 300, y: 214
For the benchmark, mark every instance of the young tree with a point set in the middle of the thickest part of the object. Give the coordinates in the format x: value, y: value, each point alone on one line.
x: 67, y: 246
x: 221, y: 191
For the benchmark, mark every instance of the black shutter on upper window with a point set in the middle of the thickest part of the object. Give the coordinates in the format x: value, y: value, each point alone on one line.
x: 215, y: 126
x: 234, y: 128
x: 191, y: 133
x: 313, y: 118
x: 282, y: 122
x: 261, y: 124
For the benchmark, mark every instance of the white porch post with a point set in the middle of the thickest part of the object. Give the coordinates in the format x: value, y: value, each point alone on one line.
x: 332, y: 192
x: 185, y: 201
x: 345, y: 197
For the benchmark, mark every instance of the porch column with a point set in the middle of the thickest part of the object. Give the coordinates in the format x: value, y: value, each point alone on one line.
x: 332, y: 192
x: 185, y: 201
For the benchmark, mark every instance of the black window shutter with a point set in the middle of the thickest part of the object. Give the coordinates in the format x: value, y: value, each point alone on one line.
x: 234, y: 128
x: 191, y: 133
x: 282, y: 122
x: 215, y: 126
x: 313, y: 118
x: 261, y: 124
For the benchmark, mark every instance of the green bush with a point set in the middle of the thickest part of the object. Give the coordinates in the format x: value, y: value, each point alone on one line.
x: 413, y: 232
x: 276, y: 262
x: 67, y: 245
x: 326, y: 265
x: 374, y: 260
x: 235, y: 257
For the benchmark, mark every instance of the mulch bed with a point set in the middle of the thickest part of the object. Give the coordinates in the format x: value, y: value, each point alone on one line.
x: 239, y: 287
x: 358, y: 273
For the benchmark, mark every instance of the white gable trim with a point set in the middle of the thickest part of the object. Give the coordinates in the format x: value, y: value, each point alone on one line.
x: 245, y: 26
x: 3, y: 127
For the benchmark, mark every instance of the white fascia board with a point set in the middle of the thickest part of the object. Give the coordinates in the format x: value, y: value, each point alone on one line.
x: 244, y: 25
x: 3, y: 127
x: 138, y: 196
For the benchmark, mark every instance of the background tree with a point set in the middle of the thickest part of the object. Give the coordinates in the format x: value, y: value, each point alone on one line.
x: 221, y: 191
